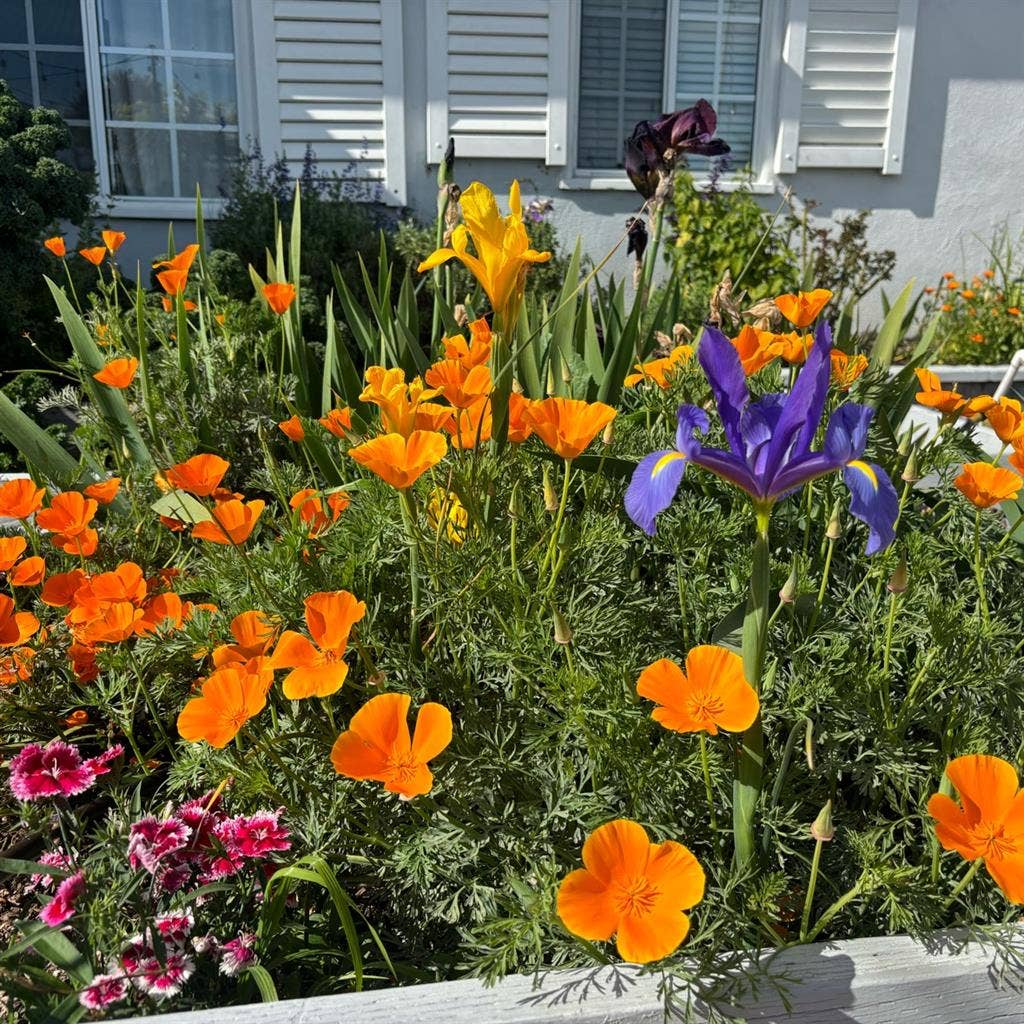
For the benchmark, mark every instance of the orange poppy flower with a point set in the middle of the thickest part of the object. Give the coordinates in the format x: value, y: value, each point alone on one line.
x: 254, y: 635
x: 95, y: 255
x: 471, y: 426
x: 201, y: 475
x: 460, y: 386
x: 846, y: 369
x: 230, y: 697
x: 1013, y: 311
x: 182, y: 261
x: 432, y: 416
x: 401, y: 405
x: 337, y: 421
x: 661, y: 370
x: 292, y: 429
x: 20, y: 498
x: 118, y: 373
x: 754, y: 349
x: 934, y: 396
x: 977, y: 406
x: 634, y: 889
x: 711, y: 694
x: 56, y: 246
x: 11, y: 549
x: 105, y: 491
x: 377, y: 745
x: 989, y: 820
x: 989, y: 273
x: 60, y: 589
x: 1006, y: 418
x: 984, y: 485
x: 113, y: 240
x: 473, y: 352
x: 15, y: 627
x: 279, y: 296
x: 1017, y: 456
x: 168, y: 305
x: 173, y: 282
x: 952, y: 285
x: 568, y: 425
x: 802, y: 309
x: 319, y: 669
x: 401, y: 461
x: 233, y: 522
x: 968, y: 293
x: 69, y: 514
x: 28, y: 573
x: 76, y: 719
x: 311, y: 509
x: 83, y: 662
x: 16, y: 666
x: 519, y: 428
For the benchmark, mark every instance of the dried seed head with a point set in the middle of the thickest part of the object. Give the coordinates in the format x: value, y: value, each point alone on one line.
x: 461, y: 314
x: 681, y: 333
x: 765, y: 315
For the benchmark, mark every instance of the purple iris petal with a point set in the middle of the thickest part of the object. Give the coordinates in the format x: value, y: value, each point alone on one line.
x: 655, y: 482
x: 691, y: 420
x: 724, y: 371
x: 729, y: 467
x: 873, y: 501
x: 758, y: 425
x: 800, y: 471
x: 847, y: 434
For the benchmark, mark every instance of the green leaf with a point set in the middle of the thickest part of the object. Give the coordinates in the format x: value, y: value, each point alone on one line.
x: 181, y: 505
x: 37, y: 447
x: 15, y: 866
x: 53, y: 944
x: 264, y: 983
x: 891, y: 331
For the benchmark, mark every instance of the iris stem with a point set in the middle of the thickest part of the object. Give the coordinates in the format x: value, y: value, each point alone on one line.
x: 979, y: 568
x: 707, y: 780
x: 805, y: 921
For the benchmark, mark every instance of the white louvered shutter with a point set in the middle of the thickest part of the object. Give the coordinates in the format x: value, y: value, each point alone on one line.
x: 845, y: 102
x: 497, y: 78
x: 335, y: 85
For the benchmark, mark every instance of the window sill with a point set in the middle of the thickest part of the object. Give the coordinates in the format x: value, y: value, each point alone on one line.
x: 610, y: 183
x: 153, y: 208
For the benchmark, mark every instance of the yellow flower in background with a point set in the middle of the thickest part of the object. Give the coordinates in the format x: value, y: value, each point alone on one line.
x: 502, y: 248
x: 445, y: 512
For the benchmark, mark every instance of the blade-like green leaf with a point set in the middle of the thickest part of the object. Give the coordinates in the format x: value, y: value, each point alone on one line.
x: 268, y: 992
x: 891, y: 331
x: 39, y: 450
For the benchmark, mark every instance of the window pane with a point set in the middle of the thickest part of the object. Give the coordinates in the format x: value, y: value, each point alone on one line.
x: 695, y: 67
x: 204, y: 91
x: 136, y: 23
x: 14, y: 70
x: 13, y: 29
x: 57, y: 22
x: 80, y: 154
x: 140, y: 161
x: 202, y: 25
x: 204, y: 158
x: 62, y: 83
x: 134, y: 88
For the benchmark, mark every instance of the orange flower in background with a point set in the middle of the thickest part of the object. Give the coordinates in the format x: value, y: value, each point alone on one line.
x: 83, y: 662
x: 20, y: 498
x: 934, y: 396
x: 15, y: 627
x: 989, y: 273
x: 802, y: 309
x: 472, y: 426
x: 968, y: 293
x: 473, y: 352
x: 1017, y: 456
x: 182, y: 261
x: 16, y: 666
x: 377, y: 745
x: 846, y: 369
x: 60, y: 589
x: 105, y: 491
x: 793, y: 347
x: 56, y: 246
x: 113, y: 240
x: 11, y: 549
x: 311, y: 509
x: 254, y: 635
x: 338, y: 421
x: 173, y: 282
x: 168, y: 305
x: 977, y: 406
x: 633, y: 889
x: 401, y: 461
x: 201, y: 475
x: 118, y: 373
x: 1013, y: 310
x: 233, y: 522
x: 989, y: 820
x: 230, y: 697
x: 279, y: 296
x: 711, y: 694
x: 753, y: 349
x: 95, y: 255
x: 69, y: 514
x: 568, y: 425
x: 77, y: 719
x: 519, y: 428
x: 292, y: 429
x: 952, y: 284
x: 318, y: 666
x: 461, y: 387
x: 984, y: 485
x: 1006, y: 418
x: 28, y: 573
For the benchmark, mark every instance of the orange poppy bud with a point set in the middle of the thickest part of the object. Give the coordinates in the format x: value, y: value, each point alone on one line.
x: 105, y: 490
x: 984, y: 485
x: 292, y: 429
x: 279, y: 296
x: 802, y: 309
x: 118, y: 373
x: 377, y: 745
x: 220, y: 318
x: 233, y: 522
x: 201, y: 475
x: 28, y: 573
x: 113, y: 240
x: 401, y: 461
x: 337, y: 421
x: 568, y: 425
x: 929, y: 290
x: 95, y: 255
x: 76, y: 719
x: 56, y: 246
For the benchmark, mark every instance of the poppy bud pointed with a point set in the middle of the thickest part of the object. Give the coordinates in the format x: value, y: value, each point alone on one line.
x: 834, y: 530
x: 550, y: 495
x: 911, y: 474
x: 898, y: 580
x: 514, y: 508
x: 608, y: 434
x: 563, y: 634
x: 823, y: 829
x: 809, y: 746
x: 787, y: 595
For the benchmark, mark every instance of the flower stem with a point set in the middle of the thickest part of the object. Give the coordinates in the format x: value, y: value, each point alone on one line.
x: 824, y: 583
x: 805, y: 921
x: 707, y: 780
x: 549, y: 557
x: 850, y: 894
x: 409, y: 516
x: 962, y: 884
x: 886, y: 655
x: 979, y: 568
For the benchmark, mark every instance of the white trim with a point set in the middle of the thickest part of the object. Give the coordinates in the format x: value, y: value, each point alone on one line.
x: 557, y: 148
x: 790, y: 88
x: 264, y: 50
x: 841, y: 156
x: 94, y: 88
x: 437, y: 79
x: 899, y: 100
x: 393, y: 69
x: 161, y: 207
x: 607, y: 182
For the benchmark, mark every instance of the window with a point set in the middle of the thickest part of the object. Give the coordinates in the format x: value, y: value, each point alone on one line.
x: 641, y: 58
x: 42, y: 59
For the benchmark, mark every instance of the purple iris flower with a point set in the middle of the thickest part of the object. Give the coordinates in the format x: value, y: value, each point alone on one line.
x: 769, y: 454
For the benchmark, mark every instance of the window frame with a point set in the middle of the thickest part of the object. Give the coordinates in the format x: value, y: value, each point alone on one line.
x: 160, y: 207
x: 769, y: 71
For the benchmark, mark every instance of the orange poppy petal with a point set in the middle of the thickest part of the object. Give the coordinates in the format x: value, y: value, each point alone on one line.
x: 433, y: 731
x: 293, y: 650
x: 951, y: 828
x: 355, y: 757
x: 382, y: 720
x: 330, y: 616
x: 986, y: 783
x: 679, y: 721
x: 314, y: 680
x: 1008, y: 873
x: 618, y: 846
x: 643, y: 939
x: 412, y: 783
x: 585, y: 908
x: 677, y: 874
x: 663, y: 682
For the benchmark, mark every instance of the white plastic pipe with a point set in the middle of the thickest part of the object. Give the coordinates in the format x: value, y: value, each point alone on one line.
x: 1016, y: 365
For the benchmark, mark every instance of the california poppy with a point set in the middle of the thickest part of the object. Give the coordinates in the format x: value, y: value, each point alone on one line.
x: 754, y: 349
x: 15, y: 627
x: 318, y: 668
x: 16, y: 666
x: 20, y: 498
x: 279, y: 296
x: 460, y: 386
x: 28, y: 573
x: 473, y: 352
x: 60, y: 589
x: 11, y: 549
x: 173, y: 282
x: 95, y: 255
x: 447, y: 514
x: 711, y: 694
x: 76, y: 719
x: 568, y: 425
x: 802, y: 309
x: 233, y: 522
x: 402, y: 405
x: 201, y: 475
x: 989, y: 820
x: 292, y: 429
x: 118, y: 373
x: 984, y: 485
x: 1006, y: 418
x: 519, y: 428
x: 56, y: 246
x: 230, y: 697
x: 113, y: 240
x: 471, y: 426
x: 168, y: 305
x: 311, y: 509
x: 401, y: 461
x: 659, y: 371
x: 377, y: 745
x: 846, y: 368
x: 107, y: 622
x: 69, y: 514
x: 934, y: 396
x: 634, y: 889
x: 104, y: 491
x: 338, y: 421
x: 182, y: 261
x: 254, y: 635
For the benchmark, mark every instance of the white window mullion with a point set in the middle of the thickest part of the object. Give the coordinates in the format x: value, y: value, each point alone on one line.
x: 668, y: 101
x: 94, y: 88
x: 165, y: 19
x: 33, y: 66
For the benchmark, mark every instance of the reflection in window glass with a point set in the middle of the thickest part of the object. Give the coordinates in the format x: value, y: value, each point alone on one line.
x: 57, y: 22
x: 15, y: 71
x: 135, y: 88
x: 202, y: 25
x: 62, y: 83
x: 12, y: 27
x: 133, y: 23
x: 140, y: 161
x: 204, y: 91
x: 204, y: 158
